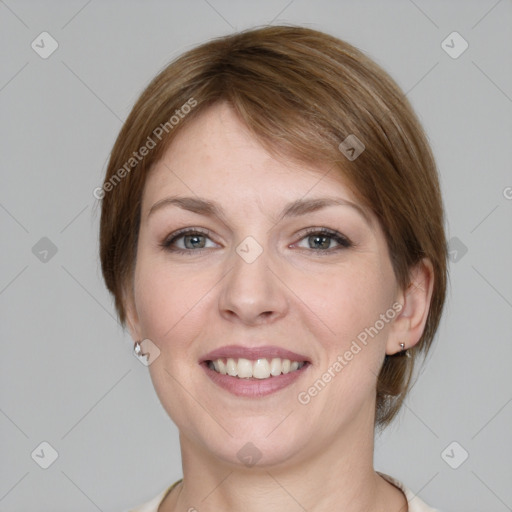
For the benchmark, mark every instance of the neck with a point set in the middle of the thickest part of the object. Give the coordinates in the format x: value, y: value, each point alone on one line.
x: 337, y: 476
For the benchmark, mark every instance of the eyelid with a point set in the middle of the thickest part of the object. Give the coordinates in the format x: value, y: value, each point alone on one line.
x: 342, y: 240
x: 166, y: 243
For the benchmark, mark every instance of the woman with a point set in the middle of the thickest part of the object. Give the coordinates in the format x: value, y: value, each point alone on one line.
x: 272, y: 234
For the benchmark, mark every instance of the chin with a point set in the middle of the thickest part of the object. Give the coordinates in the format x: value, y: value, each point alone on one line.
x: 258, y: 451
x: 255, y: 442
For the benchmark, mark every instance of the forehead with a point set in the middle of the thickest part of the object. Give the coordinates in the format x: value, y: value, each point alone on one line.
x: 217, y: 156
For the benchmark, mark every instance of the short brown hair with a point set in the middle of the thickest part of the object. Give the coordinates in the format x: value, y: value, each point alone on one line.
x: 301, y: 93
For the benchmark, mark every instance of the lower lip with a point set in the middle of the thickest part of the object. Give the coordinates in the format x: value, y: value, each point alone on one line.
x: 254, y: 388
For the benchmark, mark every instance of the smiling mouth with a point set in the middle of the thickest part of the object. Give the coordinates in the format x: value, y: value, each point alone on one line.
x: 261, y: 368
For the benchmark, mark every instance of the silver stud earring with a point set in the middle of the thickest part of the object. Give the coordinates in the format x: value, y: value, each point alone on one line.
x: 404, y: 351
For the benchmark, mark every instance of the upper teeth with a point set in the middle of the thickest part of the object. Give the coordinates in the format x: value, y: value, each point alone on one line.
x: 259, y: 369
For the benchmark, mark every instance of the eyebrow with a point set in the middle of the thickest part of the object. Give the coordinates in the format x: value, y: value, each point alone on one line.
x: 297, y: 208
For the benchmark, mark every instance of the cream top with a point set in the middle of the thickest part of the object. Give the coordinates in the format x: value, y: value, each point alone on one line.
x: 415, y: 503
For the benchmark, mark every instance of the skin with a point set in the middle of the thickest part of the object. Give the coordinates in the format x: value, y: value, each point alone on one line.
x: 320, y: 455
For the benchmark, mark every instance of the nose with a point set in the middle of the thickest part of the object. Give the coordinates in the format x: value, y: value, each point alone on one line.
x: 252, y: 292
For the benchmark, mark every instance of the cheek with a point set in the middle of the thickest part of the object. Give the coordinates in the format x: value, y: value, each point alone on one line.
x: 155, y: 302
x: 346, y: 301
x: 168, y: 299
x: 352, y: 337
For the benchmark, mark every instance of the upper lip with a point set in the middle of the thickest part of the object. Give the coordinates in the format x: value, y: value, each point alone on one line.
x: 253, y: 353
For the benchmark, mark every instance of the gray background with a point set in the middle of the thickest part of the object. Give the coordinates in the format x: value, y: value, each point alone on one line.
x: 68, y: 376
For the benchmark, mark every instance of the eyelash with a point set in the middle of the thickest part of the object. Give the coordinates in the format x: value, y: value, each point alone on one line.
x: 343, y: 241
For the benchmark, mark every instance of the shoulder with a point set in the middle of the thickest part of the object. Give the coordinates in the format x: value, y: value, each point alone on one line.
x: 152, y: 505
x: 414, y: 502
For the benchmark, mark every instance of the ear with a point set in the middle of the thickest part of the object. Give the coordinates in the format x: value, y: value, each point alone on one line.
x: 408, y: 326
x: 132, y: 317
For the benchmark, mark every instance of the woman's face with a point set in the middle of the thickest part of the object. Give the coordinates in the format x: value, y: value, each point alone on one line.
x: 248, y: 271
